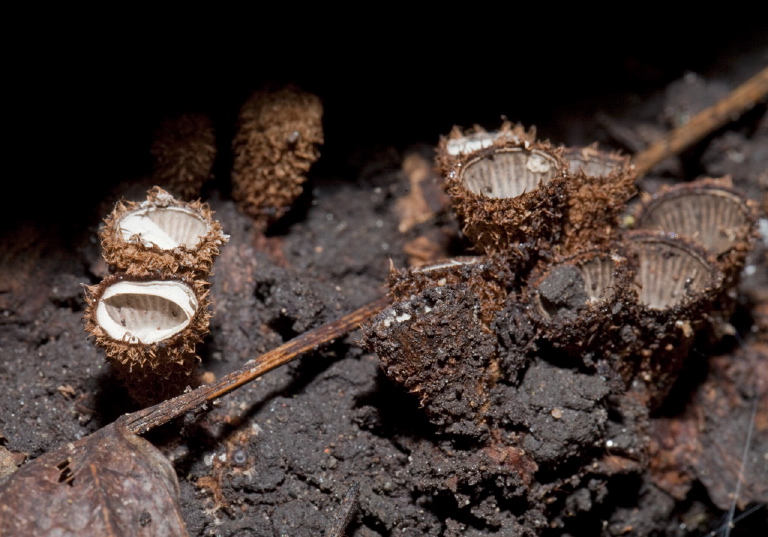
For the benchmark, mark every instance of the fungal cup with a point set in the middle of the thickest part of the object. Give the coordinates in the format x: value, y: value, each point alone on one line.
x: 162, y: 235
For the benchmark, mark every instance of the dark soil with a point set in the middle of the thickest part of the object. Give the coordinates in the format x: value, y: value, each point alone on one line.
x: 277, y: 456
x: 562, y: 292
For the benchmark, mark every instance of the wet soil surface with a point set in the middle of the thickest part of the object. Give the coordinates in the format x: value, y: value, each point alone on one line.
x: 277, y: 456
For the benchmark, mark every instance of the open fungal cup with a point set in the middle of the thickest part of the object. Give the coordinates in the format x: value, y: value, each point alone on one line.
x: 148, y: 329
x: 569, y: 286
x: 592, y: 162
x: 508, y: 173
x: 578, y: 301
x: 671, y: 274
x: 509, y: 196
x: 706, y: 212
x: 463, y: 142
x: 147, y: 322
x: 162, y: 234
x: 677, y: 289
x: 164, y: 227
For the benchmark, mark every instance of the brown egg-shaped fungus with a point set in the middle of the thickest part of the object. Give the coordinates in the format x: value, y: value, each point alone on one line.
x: 277, y: 141
x: 183, y: 152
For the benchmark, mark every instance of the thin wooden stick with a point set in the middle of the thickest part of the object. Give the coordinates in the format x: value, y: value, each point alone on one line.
x: 343, y: 515
x: 708, y: 120
x: 142, y: 421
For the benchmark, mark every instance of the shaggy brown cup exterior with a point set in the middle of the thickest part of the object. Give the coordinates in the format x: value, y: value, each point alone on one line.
x: 436, y: 346
x: 487, y: 277
x: 599, y: 185
x: 276, y: 143
x: 162, y: 235
x: 510, y: 195
x: 183, y: 151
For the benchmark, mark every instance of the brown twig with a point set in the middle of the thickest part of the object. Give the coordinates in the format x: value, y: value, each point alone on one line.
x: 708, y: 120
x: 343, y: 514
x: 154, y: 416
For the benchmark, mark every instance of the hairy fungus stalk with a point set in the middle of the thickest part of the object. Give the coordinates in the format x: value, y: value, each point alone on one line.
x: 148, y: 328
x: 276, y: 143
x: 509, y: 196
x: 162, y: 235
x: 599, y: 185
x: 183, y: 152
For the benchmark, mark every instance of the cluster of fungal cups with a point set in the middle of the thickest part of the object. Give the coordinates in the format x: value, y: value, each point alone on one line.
x: 152, y: 311
x: 560, y: 278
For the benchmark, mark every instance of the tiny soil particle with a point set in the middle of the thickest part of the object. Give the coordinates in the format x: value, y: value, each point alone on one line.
x: 144, y: 519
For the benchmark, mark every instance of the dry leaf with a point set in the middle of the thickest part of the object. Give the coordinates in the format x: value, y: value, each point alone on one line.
x: 426, y: 197
x: 111, y: 483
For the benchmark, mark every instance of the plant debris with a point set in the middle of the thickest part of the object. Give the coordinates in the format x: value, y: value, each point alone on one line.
x: 109, y: 483
x: 540, y: 437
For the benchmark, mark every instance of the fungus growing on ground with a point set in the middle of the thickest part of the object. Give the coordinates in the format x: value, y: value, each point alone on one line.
x: 599, y: 185
x: 162, y: 235
x: 510, y: 195
x: 148, y: 328
x: 183, y: 152
x: 580, y: 302
x: 275, y: 145
x: 436, y: 346
x: 677, y: 287
x: 561, y: 279
x: 708, y: 212
x: 150, y: 315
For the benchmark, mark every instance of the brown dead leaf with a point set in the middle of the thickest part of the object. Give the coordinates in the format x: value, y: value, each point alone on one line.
x: 111, y: 483
x: 9, y: 461
x: 426, y: 197
x: 708, y: 441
